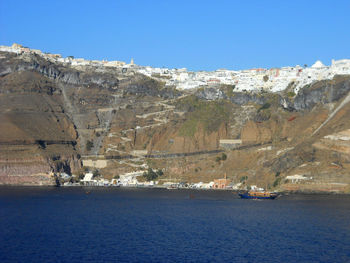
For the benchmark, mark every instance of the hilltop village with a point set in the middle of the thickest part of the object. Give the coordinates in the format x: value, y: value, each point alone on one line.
x: 257, y: 79
x: 77, y: 122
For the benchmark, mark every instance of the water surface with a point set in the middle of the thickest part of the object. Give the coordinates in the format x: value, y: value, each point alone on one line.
x: 153, y: 225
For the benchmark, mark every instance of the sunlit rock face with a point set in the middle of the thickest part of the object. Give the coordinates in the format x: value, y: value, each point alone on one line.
x: 57, y: 114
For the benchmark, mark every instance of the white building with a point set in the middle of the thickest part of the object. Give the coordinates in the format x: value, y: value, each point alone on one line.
x: 88, y: 177
x: 130, y: 179
x: 297, y: 178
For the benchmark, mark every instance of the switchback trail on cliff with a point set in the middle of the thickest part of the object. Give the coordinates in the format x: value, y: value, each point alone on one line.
x: 341, y: 105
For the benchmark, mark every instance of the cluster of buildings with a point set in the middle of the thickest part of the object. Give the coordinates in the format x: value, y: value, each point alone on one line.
x: 131, y: 180
x: 221, y: 183
x: 126, y: 179
x: 89, y: 180
x: 70, y: 60
x: 259, y: 79
x: 273, y: 80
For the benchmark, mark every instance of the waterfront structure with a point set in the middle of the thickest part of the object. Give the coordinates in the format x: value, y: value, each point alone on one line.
x: 130, y: 179
x: 88, y: 179
x: 221, y: 183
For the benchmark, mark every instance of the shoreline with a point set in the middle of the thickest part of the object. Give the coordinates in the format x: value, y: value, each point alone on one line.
x: 282, y: 193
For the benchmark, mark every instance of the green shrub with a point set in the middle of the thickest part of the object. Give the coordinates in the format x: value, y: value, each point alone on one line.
x: 243, y: 178
x: 206, y: 114
x: 89, y: 145
x: 264, y: 106
x: 159, y: 172
x: 81, y: 175
x: 291, y: 94
x: 96, y: 173
x: 277, y: 182
x: 151, y: 175
x: 229, y: 90
x: 223, y: 156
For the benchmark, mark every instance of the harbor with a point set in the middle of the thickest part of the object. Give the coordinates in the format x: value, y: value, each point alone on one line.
x: 137, y: 180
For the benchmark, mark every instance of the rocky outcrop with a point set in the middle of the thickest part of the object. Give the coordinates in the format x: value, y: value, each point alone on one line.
x: 337, y: 142
x: 210, y: 94
x: 60, y: 73
x: 321, y: 92
x: 26, y: 171
x: 90, y: 76
x: 143, y: 86
x: 253, y: 133
x: 239, y: 98
x: 244, y: 98
x: 37, y: 138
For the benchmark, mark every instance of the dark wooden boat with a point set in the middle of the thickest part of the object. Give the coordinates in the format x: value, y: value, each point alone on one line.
x: 258, y: 195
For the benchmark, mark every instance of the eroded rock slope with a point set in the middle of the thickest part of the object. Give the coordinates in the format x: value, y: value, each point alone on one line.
x: 56, y: 118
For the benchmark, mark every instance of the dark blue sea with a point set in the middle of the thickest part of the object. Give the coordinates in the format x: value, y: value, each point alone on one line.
x: 153, y: 225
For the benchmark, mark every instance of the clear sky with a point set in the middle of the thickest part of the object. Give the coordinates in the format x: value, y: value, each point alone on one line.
x: 198, y: 35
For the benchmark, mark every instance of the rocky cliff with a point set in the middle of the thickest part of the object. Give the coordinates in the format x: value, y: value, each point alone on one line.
x: 56, y: 118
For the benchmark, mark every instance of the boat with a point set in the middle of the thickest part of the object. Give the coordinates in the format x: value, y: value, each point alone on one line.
x: 258, y: 195
x: 172, y: 187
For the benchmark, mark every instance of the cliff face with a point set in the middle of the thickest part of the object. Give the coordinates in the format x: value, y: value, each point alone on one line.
x: 49, y: 112
x: 54, y: 118
x: 34, y: 130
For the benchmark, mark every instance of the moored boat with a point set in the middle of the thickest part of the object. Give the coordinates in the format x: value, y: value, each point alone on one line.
x: 172, y: 187
x: 258, y: 195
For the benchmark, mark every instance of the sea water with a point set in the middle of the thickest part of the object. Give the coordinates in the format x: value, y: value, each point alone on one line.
x: 158, y: 225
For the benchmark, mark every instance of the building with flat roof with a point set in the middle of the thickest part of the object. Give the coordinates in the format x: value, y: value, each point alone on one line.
x: 221, y: 183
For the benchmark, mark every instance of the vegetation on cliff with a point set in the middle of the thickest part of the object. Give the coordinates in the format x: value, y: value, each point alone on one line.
x: 206, y: 114
x: 151, y: 175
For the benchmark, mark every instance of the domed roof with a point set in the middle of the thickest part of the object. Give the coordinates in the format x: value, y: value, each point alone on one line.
x: 318, y: 64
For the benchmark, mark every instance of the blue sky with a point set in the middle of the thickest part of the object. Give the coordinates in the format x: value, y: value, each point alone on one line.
x: 199, y: 35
